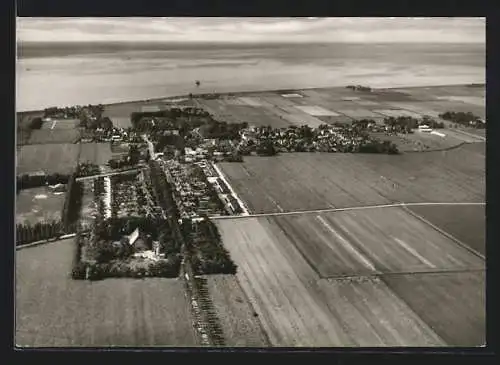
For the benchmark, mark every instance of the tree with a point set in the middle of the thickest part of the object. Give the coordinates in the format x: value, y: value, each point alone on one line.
x: 134, y: 154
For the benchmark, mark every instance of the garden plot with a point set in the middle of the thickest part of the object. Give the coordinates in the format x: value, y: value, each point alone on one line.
x: 128, y: 196
x: 397, y: 113
x: 38, y: 205
x: 315, y: 110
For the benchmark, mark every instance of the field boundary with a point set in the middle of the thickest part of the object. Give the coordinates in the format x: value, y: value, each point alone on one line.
x: 327, y: 210
x: 397, y: 273
x: 92, y: 177
x: 47, y: 241
x: 444, y: 233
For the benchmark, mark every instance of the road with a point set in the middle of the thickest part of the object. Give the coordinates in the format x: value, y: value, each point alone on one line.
x: 326, y: 210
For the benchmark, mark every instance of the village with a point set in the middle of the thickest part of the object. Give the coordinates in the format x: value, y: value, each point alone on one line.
x: 164, y: 187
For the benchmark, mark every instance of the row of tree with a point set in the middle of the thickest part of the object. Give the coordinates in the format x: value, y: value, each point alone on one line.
x: 376, y: 146
x: 27, y: 233
x: 467, y: 119
x: 166, y: 268
x: 27, y: 181
x: 407, y: 124
x: 207, y: 253
x: 73, y: 203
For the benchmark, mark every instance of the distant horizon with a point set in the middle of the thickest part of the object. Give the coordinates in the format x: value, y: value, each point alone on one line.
x: 253, y: 30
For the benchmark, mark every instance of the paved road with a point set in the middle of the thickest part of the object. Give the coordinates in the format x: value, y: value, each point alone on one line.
x: 326, y: 210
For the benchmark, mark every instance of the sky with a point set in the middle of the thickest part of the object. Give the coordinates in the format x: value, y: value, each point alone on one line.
x: 435, y: 30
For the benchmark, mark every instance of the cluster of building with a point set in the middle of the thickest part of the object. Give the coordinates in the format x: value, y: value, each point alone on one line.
x: 111, y: 135
x: 194, y: 197
x: 328, y: 138
x: 225, y: 195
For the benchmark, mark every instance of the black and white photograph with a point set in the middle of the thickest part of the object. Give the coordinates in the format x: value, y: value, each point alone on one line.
x: 213, y: 182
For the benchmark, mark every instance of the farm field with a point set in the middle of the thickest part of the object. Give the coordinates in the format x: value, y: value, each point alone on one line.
x: 38, y: 205
x: 466, y: 223
x: 120, y: 113
x: 447, y: 298
x: 96, y: 153
x: 59, y: 124
x: 54, y: 310
x: 240, y: 326
x: 51, y: 158
x: 305, y: 181
x: 54, y: 136
x: 298, y: 308
x: 366, y: 241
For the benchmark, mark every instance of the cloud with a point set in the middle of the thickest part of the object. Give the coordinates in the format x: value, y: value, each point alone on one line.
x: 310, y: 29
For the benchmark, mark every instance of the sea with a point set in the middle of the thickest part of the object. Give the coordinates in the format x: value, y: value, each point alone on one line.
x: 62, y: 74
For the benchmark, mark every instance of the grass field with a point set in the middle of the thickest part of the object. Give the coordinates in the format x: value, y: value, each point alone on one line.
x: 54, y: 310
x: 452, y: 304
x: 51, y: 158
x: 368, y: 241
x: 54, y: 136
x: 38, y: 205
x: 59, y: 124
x: 298, y: 308
x: 240, y: 326
x: 120, y: 113
x: 97, y: 153
x: 465, y: 223
x: 303, y: 181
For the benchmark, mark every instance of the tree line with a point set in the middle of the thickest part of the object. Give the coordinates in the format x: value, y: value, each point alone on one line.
x: 467, y: 119
x: 27, y: 233
x: 28, y: 181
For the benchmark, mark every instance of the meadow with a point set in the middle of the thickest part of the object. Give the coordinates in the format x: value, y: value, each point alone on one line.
x: 54, y: 310
x: 304, y: 181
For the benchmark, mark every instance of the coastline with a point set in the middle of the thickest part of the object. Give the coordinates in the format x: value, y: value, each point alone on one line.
x: 247, y: 92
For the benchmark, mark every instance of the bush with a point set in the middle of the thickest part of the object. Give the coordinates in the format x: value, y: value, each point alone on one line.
x: 79, y: 271
x: 36, y: 123
x: 72, y: 203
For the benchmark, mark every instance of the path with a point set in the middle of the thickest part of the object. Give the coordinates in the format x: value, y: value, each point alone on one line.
x: 91, y: 177
x: 326, y: 210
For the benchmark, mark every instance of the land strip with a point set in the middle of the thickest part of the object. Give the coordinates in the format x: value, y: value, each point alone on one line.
x: 326, y: 210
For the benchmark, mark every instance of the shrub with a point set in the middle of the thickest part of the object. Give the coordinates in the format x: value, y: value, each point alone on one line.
x: 79, y: 271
